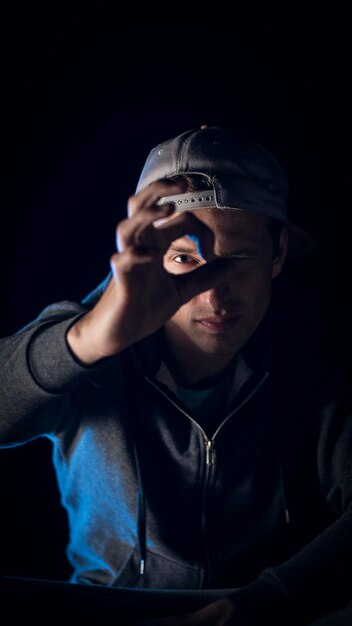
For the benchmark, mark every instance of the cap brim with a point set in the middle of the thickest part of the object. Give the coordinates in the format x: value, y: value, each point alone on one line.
x: 300, y: 242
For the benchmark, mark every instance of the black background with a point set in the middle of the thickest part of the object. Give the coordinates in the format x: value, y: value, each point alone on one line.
x: 86, y: 93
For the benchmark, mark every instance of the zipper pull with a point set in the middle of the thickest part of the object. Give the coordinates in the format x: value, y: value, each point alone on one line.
x: 209, y: 452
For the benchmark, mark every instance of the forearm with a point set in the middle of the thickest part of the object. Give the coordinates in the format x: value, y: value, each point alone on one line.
x: 312, y: 582
x: 104, y: 331
x: 38, y: 372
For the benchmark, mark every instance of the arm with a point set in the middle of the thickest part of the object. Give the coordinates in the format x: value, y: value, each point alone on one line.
x: 43, y: 365
x: 37, y: 373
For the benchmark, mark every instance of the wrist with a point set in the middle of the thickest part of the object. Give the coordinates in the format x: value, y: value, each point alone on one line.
x: 83, y: 343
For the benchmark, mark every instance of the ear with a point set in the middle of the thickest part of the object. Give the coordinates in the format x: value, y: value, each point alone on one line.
x: 279, y: 260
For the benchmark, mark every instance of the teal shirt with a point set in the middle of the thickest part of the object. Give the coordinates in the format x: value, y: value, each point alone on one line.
x: 208, y: 405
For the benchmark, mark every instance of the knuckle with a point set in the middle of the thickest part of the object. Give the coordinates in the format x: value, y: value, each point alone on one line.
x: 114, y: 259
x: 127, y: 261
x: 132, y: 204
x: 121, y: 227
x: 159, y: 184
x: 121, y: 234
x: 163, y: 187
x: 121, y: 262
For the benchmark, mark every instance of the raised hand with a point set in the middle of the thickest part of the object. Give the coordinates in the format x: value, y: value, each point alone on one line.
x: 142, y: 295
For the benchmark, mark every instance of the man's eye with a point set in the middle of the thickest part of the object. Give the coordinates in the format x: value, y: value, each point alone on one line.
x: 182, y: 259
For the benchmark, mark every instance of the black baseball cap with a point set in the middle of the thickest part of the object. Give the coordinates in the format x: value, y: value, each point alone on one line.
x: 244, y: 176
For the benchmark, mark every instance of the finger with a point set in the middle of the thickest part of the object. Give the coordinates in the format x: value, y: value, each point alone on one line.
x: 131, y: 231
x: 151, y: 194
x: 143, y: 209
x: 208, y: 276
x: 125, y: 262
x: 158, y: 239
x: 187, y: 224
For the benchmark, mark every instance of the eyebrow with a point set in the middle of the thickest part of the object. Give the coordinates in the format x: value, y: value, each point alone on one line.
x: 183, y: 249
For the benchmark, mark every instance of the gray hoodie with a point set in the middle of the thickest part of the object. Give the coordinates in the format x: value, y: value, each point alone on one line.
x: 261, y: 505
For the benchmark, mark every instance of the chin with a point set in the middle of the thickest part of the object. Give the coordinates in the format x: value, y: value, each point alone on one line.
x: 219, y: 347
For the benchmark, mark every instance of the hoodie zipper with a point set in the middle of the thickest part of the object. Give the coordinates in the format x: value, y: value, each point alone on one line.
x: 209, y: 453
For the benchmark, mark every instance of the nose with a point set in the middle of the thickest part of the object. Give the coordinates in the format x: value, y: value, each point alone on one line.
x: 218, y: 297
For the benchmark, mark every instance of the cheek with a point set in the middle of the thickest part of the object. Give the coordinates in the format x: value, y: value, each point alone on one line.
x: 259, y: 292
x: 252, y: 288
x: 184, y: 313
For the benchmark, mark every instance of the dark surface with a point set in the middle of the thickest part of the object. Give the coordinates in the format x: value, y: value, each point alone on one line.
x: 56, y: 602
x: 50, y: 602
x: 87, y: 93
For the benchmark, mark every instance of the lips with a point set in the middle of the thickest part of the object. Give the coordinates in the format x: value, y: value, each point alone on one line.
x: 218, y: 324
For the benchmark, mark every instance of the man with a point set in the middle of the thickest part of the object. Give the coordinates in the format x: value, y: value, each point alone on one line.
x: 199, y: 414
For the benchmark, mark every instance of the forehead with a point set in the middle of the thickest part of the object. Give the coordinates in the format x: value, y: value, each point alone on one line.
x: 234, y: 227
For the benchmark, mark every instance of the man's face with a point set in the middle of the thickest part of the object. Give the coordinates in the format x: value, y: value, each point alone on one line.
x: 219, y: 321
